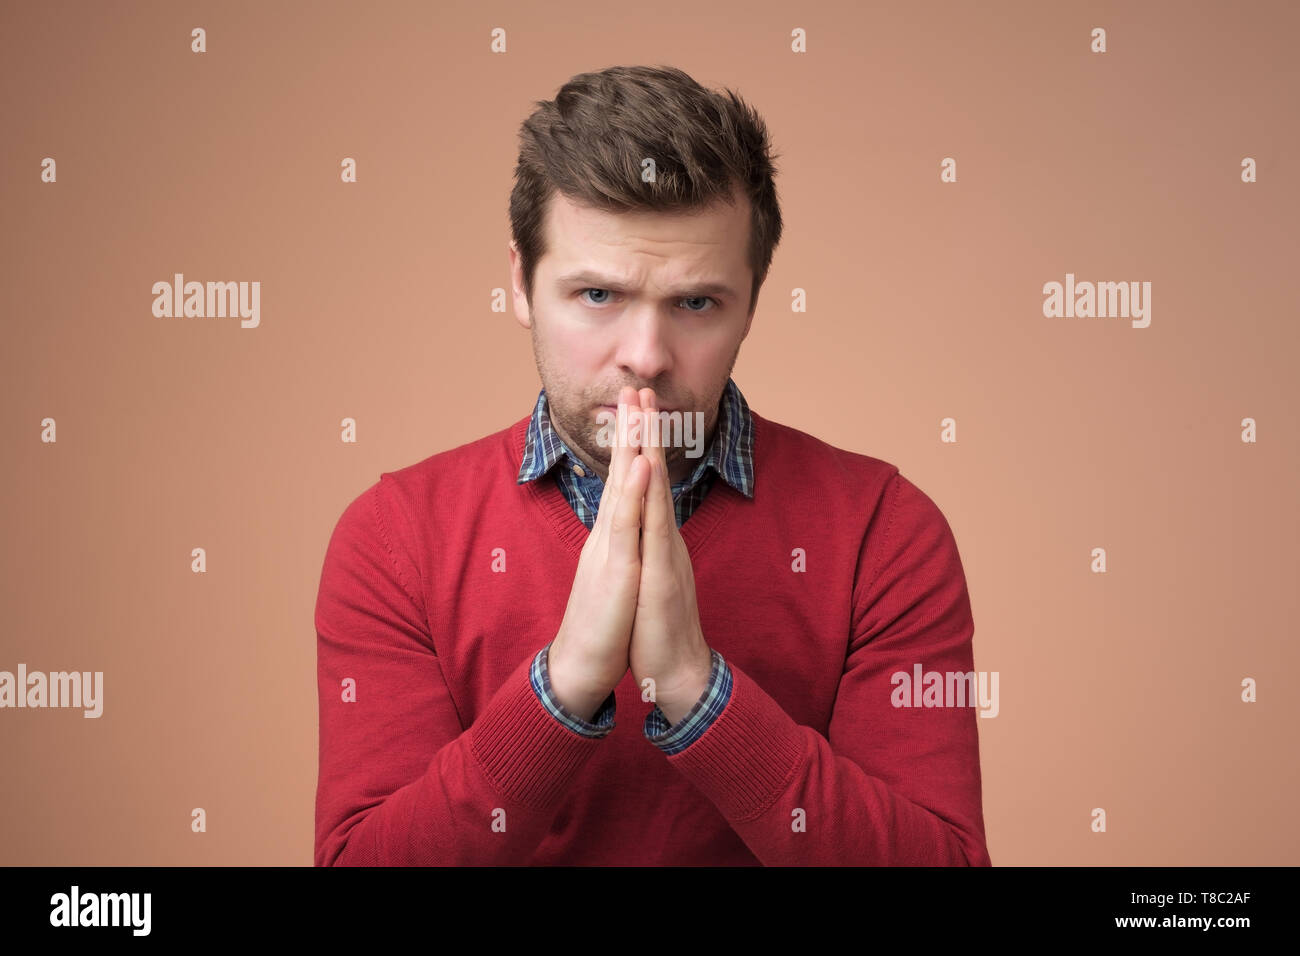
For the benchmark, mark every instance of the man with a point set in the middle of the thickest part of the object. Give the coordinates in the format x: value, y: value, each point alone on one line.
x: 484, y: 614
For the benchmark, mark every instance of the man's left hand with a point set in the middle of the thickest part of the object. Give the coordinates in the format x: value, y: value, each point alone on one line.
x: 667, y: 643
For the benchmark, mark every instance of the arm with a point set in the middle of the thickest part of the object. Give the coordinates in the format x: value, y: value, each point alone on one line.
x: 401, y: 781
x: 887, y: 786
x: 598, y: 726
x: 674, y: 738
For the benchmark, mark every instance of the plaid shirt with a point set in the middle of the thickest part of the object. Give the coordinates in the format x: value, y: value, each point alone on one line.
x: 730, y: 456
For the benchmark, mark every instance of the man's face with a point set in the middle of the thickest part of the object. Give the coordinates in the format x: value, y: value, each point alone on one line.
x: 646, y: 299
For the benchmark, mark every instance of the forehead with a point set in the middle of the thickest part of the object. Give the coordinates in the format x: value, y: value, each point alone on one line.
x: 579, y: 236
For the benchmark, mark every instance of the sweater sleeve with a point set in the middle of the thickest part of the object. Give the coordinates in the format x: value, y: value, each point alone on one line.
x: 888, y: 785
x: 401, y: 780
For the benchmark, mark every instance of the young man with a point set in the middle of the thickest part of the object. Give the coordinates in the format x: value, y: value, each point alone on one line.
x: 484, y: 614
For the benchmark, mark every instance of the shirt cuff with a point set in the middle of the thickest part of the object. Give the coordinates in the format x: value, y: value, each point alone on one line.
x: 600, y: 725
x: 705, y: 711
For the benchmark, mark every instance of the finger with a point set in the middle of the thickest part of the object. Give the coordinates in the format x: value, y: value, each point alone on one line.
x: 659, y: 516
x: 649, y: 444
x: 619, y: 457
x: 624, y: 451
x: 625, y: 532
x: 652, y: 446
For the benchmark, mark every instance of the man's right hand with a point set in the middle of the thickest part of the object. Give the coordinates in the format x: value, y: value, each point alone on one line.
x: 589, y: 655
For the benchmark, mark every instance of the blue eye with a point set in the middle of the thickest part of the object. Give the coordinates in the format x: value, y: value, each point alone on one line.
x: 698, y: 298
x: 691, y: 298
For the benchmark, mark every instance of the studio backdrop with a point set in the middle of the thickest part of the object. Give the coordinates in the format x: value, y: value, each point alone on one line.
x: 1040, y: 257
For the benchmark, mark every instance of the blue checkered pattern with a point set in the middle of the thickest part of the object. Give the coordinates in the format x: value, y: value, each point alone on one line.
x: 730, y: 456
x: 673, y: 739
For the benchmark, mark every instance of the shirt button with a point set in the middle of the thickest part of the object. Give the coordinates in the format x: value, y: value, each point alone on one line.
x: 577, y: 470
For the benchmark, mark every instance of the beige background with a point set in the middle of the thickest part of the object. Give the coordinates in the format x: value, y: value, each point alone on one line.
x: 1118, y: 690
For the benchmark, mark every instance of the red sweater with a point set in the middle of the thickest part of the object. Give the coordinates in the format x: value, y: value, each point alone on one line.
x: 443, y: 579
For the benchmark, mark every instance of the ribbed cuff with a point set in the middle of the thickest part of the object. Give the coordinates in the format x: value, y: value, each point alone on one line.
x: 527, y: 754
x: 746, y: 759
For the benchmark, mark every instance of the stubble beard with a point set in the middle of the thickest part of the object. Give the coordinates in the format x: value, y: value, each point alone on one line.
x: 578, y: 427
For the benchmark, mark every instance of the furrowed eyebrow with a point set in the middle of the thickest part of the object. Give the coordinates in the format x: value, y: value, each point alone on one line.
x: 597, y: 281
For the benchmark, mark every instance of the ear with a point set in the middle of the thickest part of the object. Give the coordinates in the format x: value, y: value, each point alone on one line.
x: 520, y: 300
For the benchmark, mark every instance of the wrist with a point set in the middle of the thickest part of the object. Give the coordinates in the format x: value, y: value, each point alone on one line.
x: 575, y: 697
x: 676, y: 702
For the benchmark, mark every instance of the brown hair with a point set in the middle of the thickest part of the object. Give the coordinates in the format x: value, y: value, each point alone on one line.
x: 589, y: 142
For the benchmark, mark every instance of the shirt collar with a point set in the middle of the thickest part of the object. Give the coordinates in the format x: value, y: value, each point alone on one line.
x: 730, y: 454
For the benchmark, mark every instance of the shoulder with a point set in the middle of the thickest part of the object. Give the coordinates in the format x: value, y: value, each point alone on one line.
x: 782, y: 449
x: 405, y: 503
x: 447, y: 478
x: 890, y: 508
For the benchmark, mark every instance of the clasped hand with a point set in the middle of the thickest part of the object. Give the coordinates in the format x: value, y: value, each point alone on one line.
x: 632, y: 603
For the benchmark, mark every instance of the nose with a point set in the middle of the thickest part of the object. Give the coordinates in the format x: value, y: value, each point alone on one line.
x: 644, y: 348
